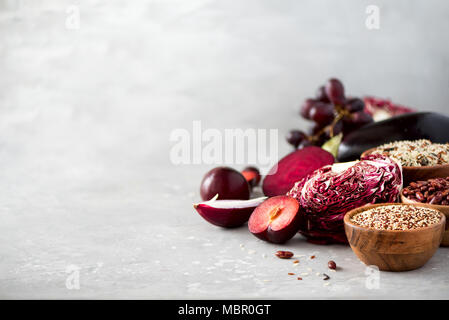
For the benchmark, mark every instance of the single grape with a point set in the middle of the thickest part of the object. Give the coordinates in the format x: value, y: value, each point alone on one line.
x: 322, y: 113
x: 354, y: 105
x: 355, y: 121
x: 295, y: 137
x: 335, y: 91
x: 361, y: 118
x: 305, y: 108
x: 305, y: 143
x: 321, y: 95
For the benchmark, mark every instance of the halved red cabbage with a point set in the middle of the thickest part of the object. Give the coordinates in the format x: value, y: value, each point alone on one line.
x: 329, y: 193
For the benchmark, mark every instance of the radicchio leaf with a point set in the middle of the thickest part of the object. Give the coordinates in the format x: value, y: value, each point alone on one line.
x: 330, y: 192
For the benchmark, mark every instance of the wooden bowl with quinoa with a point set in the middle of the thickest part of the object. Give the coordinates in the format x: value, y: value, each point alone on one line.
x: 420, y: 170
x: 394, y: 236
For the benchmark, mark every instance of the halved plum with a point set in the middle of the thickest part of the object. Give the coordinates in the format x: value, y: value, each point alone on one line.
x: 276, y: 220
x: 252, y: 175
x: 227, y: 213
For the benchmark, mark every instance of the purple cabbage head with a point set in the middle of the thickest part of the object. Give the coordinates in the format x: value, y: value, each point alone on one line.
x: 329, y: 193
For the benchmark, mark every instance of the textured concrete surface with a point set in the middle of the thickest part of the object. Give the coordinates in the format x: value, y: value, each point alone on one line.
x: 87, y: 187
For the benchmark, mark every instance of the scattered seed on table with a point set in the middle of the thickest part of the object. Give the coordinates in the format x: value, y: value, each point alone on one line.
x: 284, y: 254
x: 299, y: 278
x: 332, y: 265
x: 291, y: 274
x: 326, y: 277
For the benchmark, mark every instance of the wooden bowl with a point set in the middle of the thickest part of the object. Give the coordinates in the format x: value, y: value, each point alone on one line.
x: 443, y: 209
x: 392, y: 250
x: 420, y: 173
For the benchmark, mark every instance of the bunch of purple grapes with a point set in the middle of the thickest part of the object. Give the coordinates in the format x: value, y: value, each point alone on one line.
x: 332, y: 113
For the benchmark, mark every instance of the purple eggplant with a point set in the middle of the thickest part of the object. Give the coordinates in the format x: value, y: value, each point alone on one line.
x: 410, y: 126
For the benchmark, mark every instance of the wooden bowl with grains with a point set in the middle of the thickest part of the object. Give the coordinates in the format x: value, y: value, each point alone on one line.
x: 394, y: 236
x: 420, y: 159
x: 433, y: 193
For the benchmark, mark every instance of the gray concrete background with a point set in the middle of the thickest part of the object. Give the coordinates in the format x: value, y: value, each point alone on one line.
x: 85, y: 116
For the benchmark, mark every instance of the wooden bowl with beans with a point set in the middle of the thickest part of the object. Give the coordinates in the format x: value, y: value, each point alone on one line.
x: 408, y: 245
x: 411, y: 174
x: 433, y: 193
